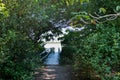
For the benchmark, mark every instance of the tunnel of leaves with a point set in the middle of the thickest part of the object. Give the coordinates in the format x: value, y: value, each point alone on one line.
x: 94, y: 51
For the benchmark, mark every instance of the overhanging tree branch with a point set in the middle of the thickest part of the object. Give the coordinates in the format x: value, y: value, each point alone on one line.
x: 95, y: 18
x: 107, y: 17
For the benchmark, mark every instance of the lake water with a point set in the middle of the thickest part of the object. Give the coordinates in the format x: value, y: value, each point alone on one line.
x: 53, y: 58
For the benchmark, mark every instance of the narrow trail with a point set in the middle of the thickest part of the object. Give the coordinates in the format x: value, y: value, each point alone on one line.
x: 55, y: 72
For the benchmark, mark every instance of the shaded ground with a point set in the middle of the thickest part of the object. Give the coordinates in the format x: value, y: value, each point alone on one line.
x: 55, y: 72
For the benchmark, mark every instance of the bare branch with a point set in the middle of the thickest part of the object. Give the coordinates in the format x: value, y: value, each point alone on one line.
x: 112, y: 18
x: 97, y: 14
x: 84, y: 21
x: 93, y: 16
x: 99, y: 19
x: 105, y: 16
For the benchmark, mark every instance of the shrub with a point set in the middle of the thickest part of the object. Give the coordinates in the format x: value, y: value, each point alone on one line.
x: 66, y: 56
x: 100, y: 51
x: 19, y: 57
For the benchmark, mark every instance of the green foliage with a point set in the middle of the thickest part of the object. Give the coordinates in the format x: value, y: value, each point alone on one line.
x: 95, y: 48
x: 117, y: 8
x: 3, y: 10
x: 18, y: 51
x: 101, y: 50
x: 67, y: 54
x: 96, y: 55
x: 18, y: 57
x: 102, y: 10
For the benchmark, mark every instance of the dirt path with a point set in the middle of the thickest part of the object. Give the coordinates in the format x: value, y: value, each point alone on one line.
x: 55, y: 73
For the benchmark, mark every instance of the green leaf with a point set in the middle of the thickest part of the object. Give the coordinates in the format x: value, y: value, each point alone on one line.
x: 36, y: 0
x: 102, y: 10
x: 117, y: 8
x: 87, y: 17
x: 81, y: 1
x: 67, y: 3
x: 87, y: 0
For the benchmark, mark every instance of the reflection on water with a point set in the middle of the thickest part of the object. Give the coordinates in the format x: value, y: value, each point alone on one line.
x: 53, y: 58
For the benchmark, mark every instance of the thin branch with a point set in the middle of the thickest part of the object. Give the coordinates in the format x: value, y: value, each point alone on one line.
x: 97, y: 14
x: 115, y: 11
x: 99, y: 19
x: 112, y: 18
x: 93, y: 16
x: 84, y: 21
x: 105, y: 16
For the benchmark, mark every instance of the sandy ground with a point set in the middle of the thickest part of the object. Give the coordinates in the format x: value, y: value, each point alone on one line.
x: 55, y: 73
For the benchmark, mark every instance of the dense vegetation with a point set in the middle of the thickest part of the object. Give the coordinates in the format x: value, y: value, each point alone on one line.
x: 19, y: 51
x: 94, y: 50
x: 96, y: 45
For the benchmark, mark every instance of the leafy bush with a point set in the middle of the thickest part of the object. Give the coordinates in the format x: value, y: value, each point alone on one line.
x: 66, y: 56
x: 19, y: 57
x: 18, y: 51
x: 101, y: 50
x: 96, y: 55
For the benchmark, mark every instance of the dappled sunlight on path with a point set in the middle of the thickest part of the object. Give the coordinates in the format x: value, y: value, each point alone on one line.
x: 52, y: 70
x: 55, y: 73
